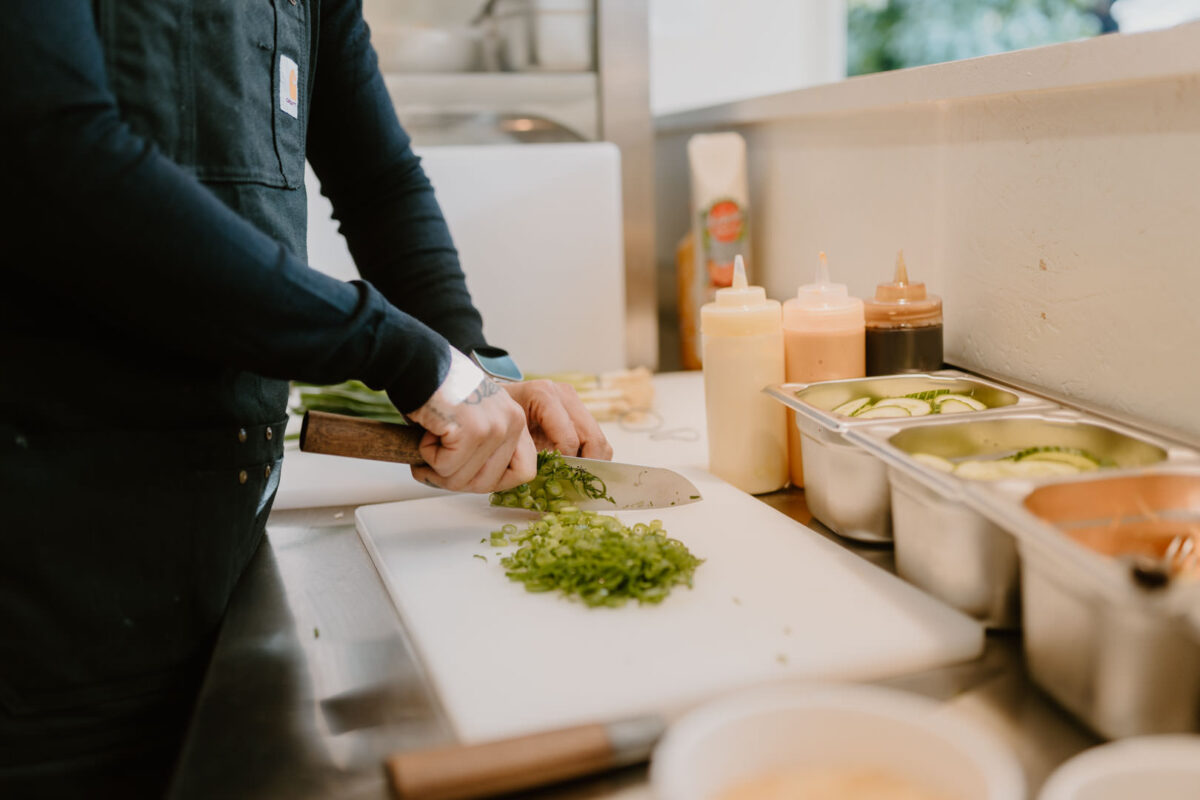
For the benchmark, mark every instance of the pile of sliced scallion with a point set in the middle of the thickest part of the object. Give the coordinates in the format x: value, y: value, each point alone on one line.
x: 595, y: 558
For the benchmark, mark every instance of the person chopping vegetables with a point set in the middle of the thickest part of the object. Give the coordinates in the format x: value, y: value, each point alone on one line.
x: 156, y: 301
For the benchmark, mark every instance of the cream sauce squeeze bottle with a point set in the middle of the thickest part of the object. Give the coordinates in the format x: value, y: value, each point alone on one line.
x: 742, y: 342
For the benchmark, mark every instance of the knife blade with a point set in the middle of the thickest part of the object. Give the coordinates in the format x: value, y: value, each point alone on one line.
x: 630, y: 485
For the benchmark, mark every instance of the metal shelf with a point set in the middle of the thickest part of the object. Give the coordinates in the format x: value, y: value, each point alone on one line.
x: 569, y: 98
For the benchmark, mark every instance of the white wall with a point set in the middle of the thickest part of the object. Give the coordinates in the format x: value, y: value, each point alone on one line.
x: 539, y: 234
x: 1052, y: 197
x: 710, y: 51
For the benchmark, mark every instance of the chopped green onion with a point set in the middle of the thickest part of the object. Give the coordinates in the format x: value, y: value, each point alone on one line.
x: 928, y: 395
x: 596, y: 559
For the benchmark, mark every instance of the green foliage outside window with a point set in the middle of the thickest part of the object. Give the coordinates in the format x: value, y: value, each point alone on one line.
x: 892, y: 34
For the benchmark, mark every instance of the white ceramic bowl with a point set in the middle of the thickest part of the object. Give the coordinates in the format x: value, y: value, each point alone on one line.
x: 797, y: 726
x: 1142, y: 768
x: 418, y: 48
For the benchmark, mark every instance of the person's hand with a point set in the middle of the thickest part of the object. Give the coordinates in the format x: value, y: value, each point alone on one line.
x: 473, y: 443
x: 558, y: 420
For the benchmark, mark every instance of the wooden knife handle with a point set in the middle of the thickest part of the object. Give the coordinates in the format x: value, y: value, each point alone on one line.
x: 356, y: 437
x: 508, y: 765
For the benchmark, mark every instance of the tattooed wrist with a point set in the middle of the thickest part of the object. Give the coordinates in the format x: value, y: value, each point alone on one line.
x: 486, y: 388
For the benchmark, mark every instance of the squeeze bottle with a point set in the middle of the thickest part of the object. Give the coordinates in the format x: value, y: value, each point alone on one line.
x: 742, y: 343
x: 823, y: 340
x: 904, y: 326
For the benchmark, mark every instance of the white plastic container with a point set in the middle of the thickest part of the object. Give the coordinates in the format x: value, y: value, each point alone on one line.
x: 743, y: 354
x: 1149, y: 767
x: 550, y: 35
x: 791, y: 727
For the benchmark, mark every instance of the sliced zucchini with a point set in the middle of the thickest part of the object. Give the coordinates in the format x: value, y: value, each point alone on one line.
x: 852, y: 407
x: 936, y: 462
x: 1081, y: 460
x: 960, y: 398
x: 1032, y: 468
x: 914, y: 407
x: 985, y: 470
x: 879, y: 412
x: 954, y: 406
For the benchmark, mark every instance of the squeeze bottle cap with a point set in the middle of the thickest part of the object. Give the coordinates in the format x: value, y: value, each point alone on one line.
x: 823, y: 305
x: 903, y: 303
x: 740, y: 309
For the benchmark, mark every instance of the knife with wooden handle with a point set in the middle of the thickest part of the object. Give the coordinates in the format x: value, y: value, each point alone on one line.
x: 630, y: 486
x: 510, y: 765
x: 356, y: 437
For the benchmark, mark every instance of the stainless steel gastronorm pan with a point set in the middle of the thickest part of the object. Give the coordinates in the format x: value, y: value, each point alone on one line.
x: 943, y: 543
x: 1114, y: 645
x: 846, y: 487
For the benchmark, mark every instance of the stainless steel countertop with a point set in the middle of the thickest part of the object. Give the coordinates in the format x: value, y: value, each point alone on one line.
x: 314, y: 680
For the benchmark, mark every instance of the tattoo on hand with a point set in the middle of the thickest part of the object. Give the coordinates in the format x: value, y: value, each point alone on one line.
x: 442, y: 415
x: 484, y: 390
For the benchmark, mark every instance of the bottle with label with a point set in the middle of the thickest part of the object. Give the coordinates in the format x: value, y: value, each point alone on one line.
x: 720, y: 229
x: 904, y: 326
x: 823, y: 340
x: 742, y: 337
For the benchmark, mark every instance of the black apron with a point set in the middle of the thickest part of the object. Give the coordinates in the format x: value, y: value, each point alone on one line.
x: 119, y: 548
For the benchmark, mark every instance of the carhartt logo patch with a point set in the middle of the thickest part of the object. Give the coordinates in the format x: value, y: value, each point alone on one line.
x: 289, y: 86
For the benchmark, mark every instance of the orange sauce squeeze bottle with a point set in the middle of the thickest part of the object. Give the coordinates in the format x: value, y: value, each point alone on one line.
x: 823, y: 340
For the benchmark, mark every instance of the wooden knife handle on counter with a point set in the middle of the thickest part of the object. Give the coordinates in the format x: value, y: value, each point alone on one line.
x: 510, y: 765
x: 356, y: 437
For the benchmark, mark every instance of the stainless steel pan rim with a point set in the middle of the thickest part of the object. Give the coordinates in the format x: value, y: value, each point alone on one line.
x: 1103, y: 575
x: 830, y: 394
x: 879, y: 440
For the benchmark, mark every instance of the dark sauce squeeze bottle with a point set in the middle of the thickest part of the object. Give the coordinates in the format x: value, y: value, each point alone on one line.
x: 904, y: 326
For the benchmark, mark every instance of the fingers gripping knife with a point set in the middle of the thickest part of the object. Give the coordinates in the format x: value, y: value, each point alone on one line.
x: 630, y: 486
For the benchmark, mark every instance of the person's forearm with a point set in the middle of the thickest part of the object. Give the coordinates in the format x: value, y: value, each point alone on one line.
x: 194, y: 275
x: 381, y: 196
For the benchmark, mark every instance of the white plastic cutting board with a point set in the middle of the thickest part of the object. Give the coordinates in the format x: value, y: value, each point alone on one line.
x: 773, y: 600
x: 313, y: 480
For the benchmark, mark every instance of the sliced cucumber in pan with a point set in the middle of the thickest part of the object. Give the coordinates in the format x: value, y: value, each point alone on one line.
x: 965, y: 399
x: 914, y: 407
x: 953, y: 406
x: 879, y: 412
x: 1079, y: 459
x: 852, y: 407
x: 928, y: 396
x: 936, y: 462
x: 1031, y: 468
x: 985, y: 470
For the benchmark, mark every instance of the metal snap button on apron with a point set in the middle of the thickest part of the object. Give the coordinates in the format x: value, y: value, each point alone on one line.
x: 243, y: 476
x: 270, y: 433
x: 242, y: 435
x: 267, y: 471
